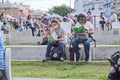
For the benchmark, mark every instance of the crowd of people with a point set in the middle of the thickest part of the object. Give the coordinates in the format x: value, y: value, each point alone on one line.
x: 62, y: 27
x: 40, y: 23
x: 88, y: 23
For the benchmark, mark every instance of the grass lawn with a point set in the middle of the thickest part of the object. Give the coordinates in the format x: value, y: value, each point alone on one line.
x: 81, y: 70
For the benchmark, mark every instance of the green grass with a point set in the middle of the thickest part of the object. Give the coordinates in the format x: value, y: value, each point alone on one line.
x: 81, y: 70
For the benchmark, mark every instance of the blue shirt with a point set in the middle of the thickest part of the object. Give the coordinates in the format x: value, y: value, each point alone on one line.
x: 2, y: 48
x: 6, y: 26
x: 59, y: 34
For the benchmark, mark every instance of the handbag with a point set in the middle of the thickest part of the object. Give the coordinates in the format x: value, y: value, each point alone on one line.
x: 81, y: 37
x: 71, y: 51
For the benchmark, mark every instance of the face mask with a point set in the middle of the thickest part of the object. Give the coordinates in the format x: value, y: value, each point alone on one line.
x: 55, y: 27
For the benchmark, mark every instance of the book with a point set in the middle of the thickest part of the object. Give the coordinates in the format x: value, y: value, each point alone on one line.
x: 79, y: 29
x: 52, y: 37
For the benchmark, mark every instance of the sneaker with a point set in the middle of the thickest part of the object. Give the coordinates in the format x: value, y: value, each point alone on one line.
x: 86, y: 60
x: 45, y: 60
x: 62, y: 59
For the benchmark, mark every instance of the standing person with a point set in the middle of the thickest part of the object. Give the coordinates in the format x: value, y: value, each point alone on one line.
x: 29, y: 24
x: 89, y: 29
x: 113, y: 18
x: 89, y: 17
x: 2, y: 59
x: 60, y: 42
x: 5, y: 27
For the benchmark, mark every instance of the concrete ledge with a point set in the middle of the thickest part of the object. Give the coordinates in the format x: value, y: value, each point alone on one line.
x: 37, y: 53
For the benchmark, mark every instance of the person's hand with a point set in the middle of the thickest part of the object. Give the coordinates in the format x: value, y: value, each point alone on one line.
x: 56, y: 40
x: 73, y: 33
x: 116, y: 65
x: 49, y: 40
x: 86, y: 31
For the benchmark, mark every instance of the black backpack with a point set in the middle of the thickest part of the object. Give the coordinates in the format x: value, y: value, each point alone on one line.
x: 114, y: 58
x: 55, y: 54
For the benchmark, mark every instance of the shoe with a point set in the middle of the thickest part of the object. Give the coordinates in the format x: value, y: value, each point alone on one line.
x: 39, y: 43
x: 77, y: 60
x: 45, y: 60
x: 86, y: 60
x: 62, y: 59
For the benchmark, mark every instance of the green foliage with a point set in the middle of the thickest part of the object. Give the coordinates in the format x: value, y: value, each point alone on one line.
x: 70, y: 70
x: 60, y: 10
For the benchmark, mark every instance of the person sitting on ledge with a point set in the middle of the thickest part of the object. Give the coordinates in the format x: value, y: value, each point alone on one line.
x: 59, y: 42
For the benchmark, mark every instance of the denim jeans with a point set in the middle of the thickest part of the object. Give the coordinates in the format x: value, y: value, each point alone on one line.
x: 61, y: 45
x: 86, y: 44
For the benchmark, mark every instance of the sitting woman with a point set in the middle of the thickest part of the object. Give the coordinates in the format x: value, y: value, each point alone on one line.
x: 88, y: 29
x: 59, y: 42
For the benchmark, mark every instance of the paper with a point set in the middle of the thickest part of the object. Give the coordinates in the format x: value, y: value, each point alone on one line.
x: 53, y: 36
x: 79, y: 29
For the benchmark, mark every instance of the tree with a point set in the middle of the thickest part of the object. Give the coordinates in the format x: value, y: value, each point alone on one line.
x: 62, y: 10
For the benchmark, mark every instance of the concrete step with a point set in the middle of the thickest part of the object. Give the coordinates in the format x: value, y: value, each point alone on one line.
x: 24, y: 37
x: 37, y: 53
x: 25, y: 32
x: 100, y: 39
x: 107, y: 39
x: 25, y: 40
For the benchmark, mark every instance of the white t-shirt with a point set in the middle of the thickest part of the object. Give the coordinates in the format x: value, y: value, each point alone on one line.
x: 113, y: 18
x: 67, y: 26
x: 87, y: 26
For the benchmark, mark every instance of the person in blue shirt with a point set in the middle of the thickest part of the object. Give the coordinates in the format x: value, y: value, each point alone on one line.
x: 2, y: 58
x: 5, y: 27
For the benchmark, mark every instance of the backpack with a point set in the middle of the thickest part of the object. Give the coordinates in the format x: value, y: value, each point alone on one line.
x: 44, y: 41
x: 55, y: 54
x: 114, y: 58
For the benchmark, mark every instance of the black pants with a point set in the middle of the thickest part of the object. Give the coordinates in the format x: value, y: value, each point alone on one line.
x: 3, y: 75
x: 32, y: 29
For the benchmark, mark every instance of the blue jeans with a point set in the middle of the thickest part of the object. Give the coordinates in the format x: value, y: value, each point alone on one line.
x: 86, y: 44
x: 60, y: 44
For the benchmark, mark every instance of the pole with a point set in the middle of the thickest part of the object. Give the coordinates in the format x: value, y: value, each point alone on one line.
x: 2, y: 1
x: 70, y: 3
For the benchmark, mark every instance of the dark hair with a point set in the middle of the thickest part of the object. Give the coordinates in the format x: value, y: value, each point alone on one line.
x: 88, y: 12
x: 28, y: 17
x: 81, y: 16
